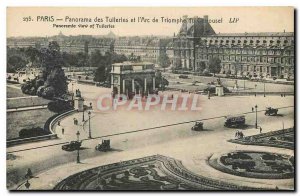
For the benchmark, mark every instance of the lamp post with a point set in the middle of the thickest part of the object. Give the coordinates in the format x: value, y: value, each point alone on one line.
x: 264, y: 89
x: 255, y: 116
x: 78, y: 158
x: 72, y: 91
x: 83, y: 115
x: 90, y: 132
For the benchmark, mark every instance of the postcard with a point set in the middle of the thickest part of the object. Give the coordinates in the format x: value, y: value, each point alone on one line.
x: 150, y: 98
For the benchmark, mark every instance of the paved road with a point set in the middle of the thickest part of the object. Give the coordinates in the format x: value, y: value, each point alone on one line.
x: 176, y: 141
x: 230, y: 83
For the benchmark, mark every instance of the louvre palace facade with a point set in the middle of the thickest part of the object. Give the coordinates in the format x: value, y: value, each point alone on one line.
x: 265, y: 54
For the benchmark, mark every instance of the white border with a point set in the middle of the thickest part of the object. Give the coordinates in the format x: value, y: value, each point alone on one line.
x: 108, y: 3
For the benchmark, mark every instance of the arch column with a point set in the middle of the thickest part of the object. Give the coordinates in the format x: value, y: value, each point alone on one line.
x: 133, y: 89
x: 153, y: 83
x: 145, y: 85
x: 123, y: 90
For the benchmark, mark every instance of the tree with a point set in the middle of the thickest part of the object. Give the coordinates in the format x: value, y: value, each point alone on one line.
x: 58, y: 81
x: 202, y: 67
x: 100, y: 74
x: 214, y: 65
x: 32, y: 55
x: 69, y: 59
x: 82, y: 59
x: 237, y: 68
x: 160, y: 81
x: 104, y: 62
x: 51, y: 58
x: 53, y: 74
x: 14, y: 63
x: 164, y: 60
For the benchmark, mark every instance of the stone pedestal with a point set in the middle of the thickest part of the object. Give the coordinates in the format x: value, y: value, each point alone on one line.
x: 78, y: 104
x: 219, y: 90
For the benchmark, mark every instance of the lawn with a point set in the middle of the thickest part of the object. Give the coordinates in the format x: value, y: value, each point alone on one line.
x: 13, y: 92
x: 26, y: 119
x: 26, y: 102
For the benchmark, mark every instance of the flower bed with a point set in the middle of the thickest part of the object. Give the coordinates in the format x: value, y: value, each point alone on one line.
x: 258, y: 164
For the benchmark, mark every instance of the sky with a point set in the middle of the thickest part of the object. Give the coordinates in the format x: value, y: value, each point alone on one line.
x: 251, y: 19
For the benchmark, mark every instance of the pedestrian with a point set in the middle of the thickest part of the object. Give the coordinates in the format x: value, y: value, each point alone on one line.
x: 241, y: 135
x: 260, y: 129
x: 58, y: 123
x: 63, y: 131
x: 28, y: 174
x: 252, y: 109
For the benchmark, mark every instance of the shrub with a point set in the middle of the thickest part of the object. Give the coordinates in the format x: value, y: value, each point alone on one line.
x: 33, y: 132
x: 48, y: 92
x: 59, y: 106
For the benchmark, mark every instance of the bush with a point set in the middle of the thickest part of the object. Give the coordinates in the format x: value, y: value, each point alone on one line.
x: 33, y: 132
x: 59, y: 106
x: 48, y: 92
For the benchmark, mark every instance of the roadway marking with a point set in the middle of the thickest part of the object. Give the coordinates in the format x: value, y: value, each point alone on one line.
x: 140, y: 130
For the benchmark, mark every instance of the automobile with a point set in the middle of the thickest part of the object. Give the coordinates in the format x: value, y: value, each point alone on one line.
x: 104, y: 146
x: 198, y: 126
x: 271, y: 111
x: 73, y: 145
x: 183, y: 76
x: 235, y: 121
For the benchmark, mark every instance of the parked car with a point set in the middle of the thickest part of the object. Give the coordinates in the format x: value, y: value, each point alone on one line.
x: 198, y: 126
x: 104, y: 146
x: 183, y: 76
x: 235, y: 121
x: 271, y: 111
x: 73, y: 145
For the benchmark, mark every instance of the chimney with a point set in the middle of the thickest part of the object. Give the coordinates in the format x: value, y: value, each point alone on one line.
x: 205, y: 21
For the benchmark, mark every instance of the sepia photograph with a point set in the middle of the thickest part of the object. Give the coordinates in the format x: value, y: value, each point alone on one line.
x: 150, y: 99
